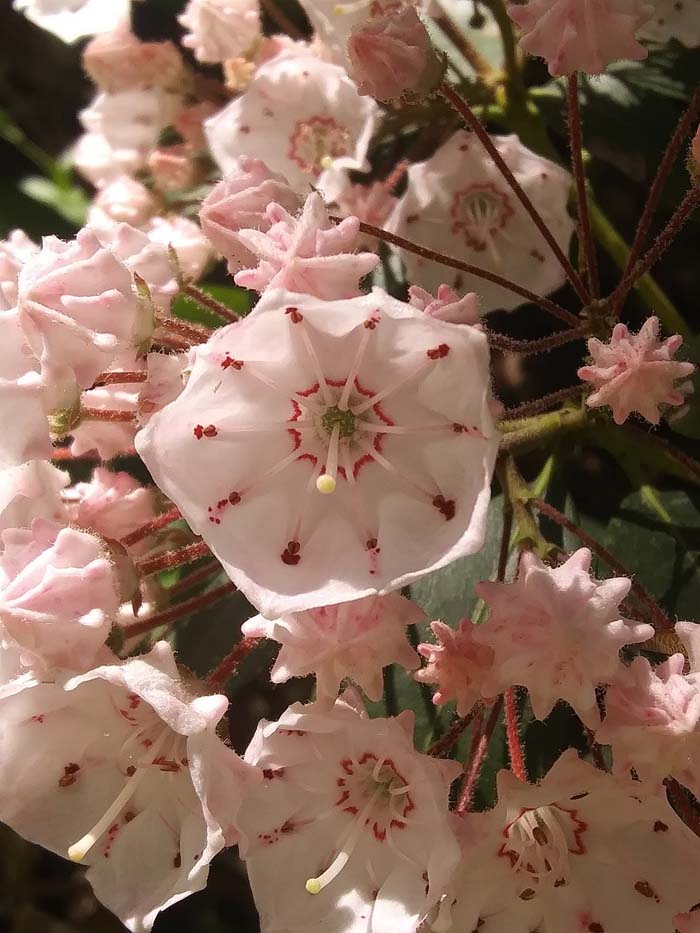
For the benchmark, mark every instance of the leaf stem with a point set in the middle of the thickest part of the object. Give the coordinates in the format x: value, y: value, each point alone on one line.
x: 170, y: 559
x: 186, y: 608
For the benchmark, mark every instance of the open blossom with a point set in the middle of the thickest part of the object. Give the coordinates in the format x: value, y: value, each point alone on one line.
x: 674, y: 19
x: 14, y: 252
x: 457, y: 664
x: 119, y: 61
x: 193, y: 250
x: 220, y: 29
x: 312, y: 430
x: 78, y: 307
x: 391, y: 56
x: 350, y: 830
x: 122, y: 200
x: 302, y: 117
x: 31, y: 490
x: 653, y: 717
x: 72, y: 19
x: 581, y: 35
x: 58, y: 597
x: 635, y: 372
x: 459, y: 202
x: 309, y: 254
x: 121, y: 768
x: 354, y: 640
x: 447, y: 306
x: 239, y: 201
x: 111, y: 504
x: 557, y: 632
x: 579, y: 851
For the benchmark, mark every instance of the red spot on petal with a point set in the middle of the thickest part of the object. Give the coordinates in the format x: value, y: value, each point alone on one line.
x: 438, y: 352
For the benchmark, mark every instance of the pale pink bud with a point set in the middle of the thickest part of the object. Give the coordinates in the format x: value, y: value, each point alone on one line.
x: 447, y: 306
x: 123, y: 200
x: 173, y: 167
x: 391, y: 56
x: 118, y: 61
x: 240, y: 201
x: 220, y: 29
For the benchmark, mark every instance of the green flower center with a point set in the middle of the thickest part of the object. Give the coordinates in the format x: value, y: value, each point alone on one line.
x: 345, y: 420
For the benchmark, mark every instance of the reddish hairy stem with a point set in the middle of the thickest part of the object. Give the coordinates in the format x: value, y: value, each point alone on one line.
x: 480, y: 747
x: 192, y: 333
x: 550, y: 306
x: 97, y: 414
x: 63, y: 455
x: 171, y: 559
x: 453, y: 734
x: 228, y: 666
x: 539, y: 405
x: 681, y: 133
x: 207, y: 301
x: 180, y: 611
x: 515, y: 750
x: 576, y: 146
x: 541, y: 345
x: 120, y: 378
x: 160, y: 521
x: 457, y: 37
x: 658, y: 617
x: 210, y: 569
x: 475, y: 124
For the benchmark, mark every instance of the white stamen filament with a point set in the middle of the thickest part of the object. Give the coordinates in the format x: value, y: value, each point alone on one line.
x: 80, y: 849
x: 350, y: 381
x: 443, y: 922
x: 320, y: 378
x: 378, y: 427
x: 326, y: 483
x: 302, y: 400
x: 390, y: 389
x: 390, y: 468
x: 316, y: 885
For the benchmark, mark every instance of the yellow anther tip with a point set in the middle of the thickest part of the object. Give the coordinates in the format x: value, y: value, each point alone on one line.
x: 326, y: 484
x: 326, y: 161
x: 313, y: 886
x: 76, y: 853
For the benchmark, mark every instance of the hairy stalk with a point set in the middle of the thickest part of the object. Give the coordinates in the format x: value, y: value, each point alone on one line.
x: 540, y: 345
x: 186, y: 608
x: 515, y: 749
x: 658, y: 617
x: 171, y: 559
x: 587, y: 244
x: 479, y: 749
x: 539, y: 405
x: 461, y: 42
x: 473, y: 122
x: 210, y: 569
x: 97, y: 414
x: 525, y: 434
x: 446, y: 742
x: 120, y: 378
x: 229, y: 665
x: 550, y: 306
x: 192, y: 333
x: 160, y: 521
x: 200, y: 297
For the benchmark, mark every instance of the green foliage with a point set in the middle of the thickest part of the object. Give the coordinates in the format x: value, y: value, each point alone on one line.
x: 237, y: 299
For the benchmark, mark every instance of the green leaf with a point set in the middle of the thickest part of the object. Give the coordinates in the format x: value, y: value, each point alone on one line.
x: 67, y: 200
x: 656, y: 535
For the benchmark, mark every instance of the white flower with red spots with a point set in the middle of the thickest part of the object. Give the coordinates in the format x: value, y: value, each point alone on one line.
x: 557, y: 632
x: 302, y: 117
x: 239, y: 201
x: 458, y: 203
x: 457, y: 664
x: 354, y: 640
x: 309, y: 254
x: 220, y: 29
x: 581, y: 35
x: 121, y: 768
x: 330, y: 450
x: 674, y: 19
x: 58, y: 595
x: 636, y: 372
x: 579, y: 852
x: 653, y: 717
x: 353, y: 819
x: 72, y: 19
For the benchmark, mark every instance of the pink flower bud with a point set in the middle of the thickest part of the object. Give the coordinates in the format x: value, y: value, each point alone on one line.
x: 190, y: 121
x: 448, y: 306
x: 123, y: 200
x: 391, y: 56
x: 173, y: 167
x: 118, y: 61
x: 239, y: 202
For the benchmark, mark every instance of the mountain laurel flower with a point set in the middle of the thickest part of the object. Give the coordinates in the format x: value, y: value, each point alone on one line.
x: 447, y: 305
x: 557, y: 632
x: 72, y: 19
x: 581, y: 35
x: 674, y: 19
x: 579, y: 851
x: 151, y: 263
x: 14, y: 252
x: 372, y: 203
x: 121, y: 769
x: 353, y: 818
x: 122, y: 200
x: 32, y: 490
x: 58, y: 595
x: 459, y: 202
x: 119, y: 61
x: 111, y: 504
x: 185, y: 237
x: 457, y: 664
x: 357, y: 428
x: 653, y: 716
x: 239, y: 201
x: 354, y: 640
x: 77, y: 307
x: 302, y: 117
x: 308, y: 254
x: 636, y: 372
x: 391, y: 56
x: 220, y: 29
